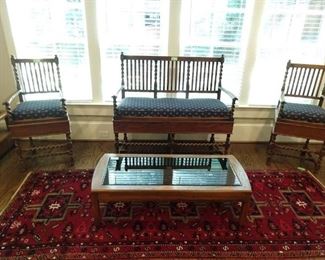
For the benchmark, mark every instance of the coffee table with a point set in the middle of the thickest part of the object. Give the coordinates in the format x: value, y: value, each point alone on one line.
x: 168, y: 177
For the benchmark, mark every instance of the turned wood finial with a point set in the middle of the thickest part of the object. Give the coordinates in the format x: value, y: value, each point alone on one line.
x: 286, y: 75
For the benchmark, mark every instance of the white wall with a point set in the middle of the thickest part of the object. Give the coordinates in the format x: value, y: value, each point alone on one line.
x: 7, y: 84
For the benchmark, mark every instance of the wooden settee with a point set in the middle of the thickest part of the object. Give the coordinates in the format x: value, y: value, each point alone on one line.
x: 175, y: 104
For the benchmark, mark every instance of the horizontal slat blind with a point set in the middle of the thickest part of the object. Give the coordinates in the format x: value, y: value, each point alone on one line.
x: 132, y: 27
x: 212, y: 28
x: 290, y: 30
x: 43, y: 28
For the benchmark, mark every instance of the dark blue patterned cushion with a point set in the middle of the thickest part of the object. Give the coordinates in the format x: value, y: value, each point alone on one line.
x: 173, y: 107
x: 39, y: 109
x: 303, y: 112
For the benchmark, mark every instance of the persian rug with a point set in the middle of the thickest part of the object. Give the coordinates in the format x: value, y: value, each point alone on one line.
x: 50, y: 217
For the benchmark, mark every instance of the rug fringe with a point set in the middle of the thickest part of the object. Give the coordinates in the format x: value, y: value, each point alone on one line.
x: 15, y: 193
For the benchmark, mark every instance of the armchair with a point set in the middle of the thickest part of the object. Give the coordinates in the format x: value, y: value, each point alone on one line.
x: 31, y: 113
x: 304, y: 115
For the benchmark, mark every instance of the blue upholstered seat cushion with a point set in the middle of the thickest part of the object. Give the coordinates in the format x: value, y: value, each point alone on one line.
x: 39, y: 109
x: 172, y: 107
x: 303, y: 112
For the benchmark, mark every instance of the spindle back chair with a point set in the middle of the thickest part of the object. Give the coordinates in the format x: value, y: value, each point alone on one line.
x: 166, y: 80
x: 300, y: 112
x: 40, y: 109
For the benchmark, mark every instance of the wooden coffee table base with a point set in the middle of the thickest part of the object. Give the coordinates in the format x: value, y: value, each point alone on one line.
x: 97, y: 198
x: 104, y: 193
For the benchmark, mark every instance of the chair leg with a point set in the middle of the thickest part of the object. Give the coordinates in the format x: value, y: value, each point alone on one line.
x: 212, y: 142
x: 303, y: 152
x: 32, y: 145
x: 171, y: 142
x: 125, y: 145
x: 69, y: 145
x: 117, y: 143
x: 19, y: 152
x: 270, y: 148
x: 320, y: 158
x: 227, y: 144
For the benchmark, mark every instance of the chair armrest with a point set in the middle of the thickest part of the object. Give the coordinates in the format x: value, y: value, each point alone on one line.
x: 117, y: 92
x: 280, y: 103
x: 9, y: 100
x: 61, y: 94
x: 115, y: 98
x: 230, y: 94
x: 279, y: 107
x: 282, y: 98
x: 64, y: 105
x: 322, y: 97
x: 233, y: 97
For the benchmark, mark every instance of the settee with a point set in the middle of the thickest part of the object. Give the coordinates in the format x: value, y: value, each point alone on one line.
x: 172, y: 95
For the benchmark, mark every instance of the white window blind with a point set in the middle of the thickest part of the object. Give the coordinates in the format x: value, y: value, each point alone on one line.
x: 132, y: 27
x: 43, y: 28
x: 291, y: 29
x: 213, y: 28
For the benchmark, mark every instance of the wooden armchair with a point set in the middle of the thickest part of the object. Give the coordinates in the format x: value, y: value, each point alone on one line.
x: 30, y: 115
x: 302, y: 82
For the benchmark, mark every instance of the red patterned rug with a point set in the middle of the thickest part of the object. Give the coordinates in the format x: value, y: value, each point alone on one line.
x: 50, y: 217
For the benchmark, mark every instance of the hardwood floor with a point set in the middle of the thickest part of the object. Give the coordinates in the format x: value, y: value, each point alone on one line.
x: 87, y: 153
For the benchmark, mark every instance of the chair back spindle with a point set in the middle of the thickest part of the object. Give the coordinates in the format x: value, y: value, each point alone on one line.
x: 36, y: 76
x: 166, y: 74
x: 304, y: 80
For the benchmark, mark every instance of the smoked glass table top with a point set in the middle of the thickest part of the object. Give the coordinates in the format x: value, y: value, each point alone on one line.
x: 175, y: 171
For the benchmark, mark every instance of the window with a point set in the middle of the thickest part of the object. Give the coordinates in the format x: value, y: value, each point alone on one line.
x: 257, y: 38
x: 43, y: 28
x: 213, y: 28
x: 291, y: 29
x: 132, y: 27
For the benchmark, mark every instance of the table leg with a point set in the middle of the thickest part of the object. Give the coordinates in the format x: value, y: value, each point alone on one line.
x: 244, y: 212
x: 95, y: 208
